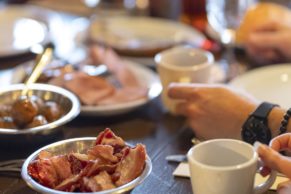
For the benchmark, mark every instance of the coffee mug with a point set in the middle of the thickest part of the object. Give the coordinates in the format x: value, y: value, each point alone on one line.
x: 225, y: 166
x: 182, y: 64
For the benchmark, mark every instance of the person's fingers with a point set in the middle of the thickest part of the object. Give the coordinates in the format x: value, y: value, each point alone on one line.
x: 269, y: 25
x: 190, y: 91
x: 182, y: 90
x: 281, y: 142
x: 186, y: 109
x: 265, y: 40
x: 284, y: 187
x: 274, y: 160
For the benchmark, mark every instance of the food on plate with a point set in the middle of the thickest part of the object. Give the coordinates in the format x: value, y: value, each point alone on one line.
x: 108, y: 164
x: 118, y: 85
x: 27, y: 112
x: 123, y: 35
x: 23, y: 110
x: 51, y: 110
x: 260, y: 13
x: 7, y: 123
x: 37, y: 121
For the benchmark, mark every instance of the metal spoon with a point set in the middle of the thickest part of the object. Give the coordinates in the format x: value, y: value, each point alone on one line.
x: 41, y: 61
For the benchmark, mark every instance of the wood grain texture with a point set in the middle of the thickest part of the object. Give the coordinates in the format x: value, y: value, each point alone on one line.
x: 162, y: 134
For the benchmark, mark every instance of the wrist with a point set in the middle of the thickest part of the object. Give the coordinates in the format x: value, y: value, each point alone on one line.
x: 256, y: 127
x: 274, y: 120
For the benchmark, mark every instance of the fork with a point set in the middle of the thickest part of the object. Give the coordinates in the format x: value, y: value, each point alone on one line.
x: 11, y: 165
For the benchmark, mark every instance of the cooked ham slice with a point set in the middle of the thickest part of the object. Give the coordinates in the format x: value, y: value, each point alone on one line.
x: 89, y: 89
x: 126, y: 94
x: 115, y: 64
x: 131, y: 166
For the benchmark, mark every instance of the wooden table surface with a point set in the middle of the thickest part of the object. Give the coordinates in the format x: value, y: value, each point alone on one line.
x: 162, y: 134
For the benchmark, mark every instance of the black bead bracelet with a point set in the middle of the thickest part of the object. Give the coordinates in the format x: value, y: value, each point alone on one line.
x: 284, y: 122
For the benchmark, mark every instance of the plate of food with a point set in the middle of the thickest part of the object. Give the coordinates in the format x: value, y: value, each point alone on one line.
x: 142, y: 36
x: 102, y: 165
x: 122, y: 87
x: 269, y: 83
x: 24, y: 28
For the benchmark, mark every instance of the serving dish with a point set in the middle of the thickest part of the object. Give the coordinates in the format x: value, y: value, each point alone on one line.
x: 67, y: 100
x: 269, y: 83
x: 24, y: 28
x: 142, y: 36
x: 77, y: 145
x: 146, y: 77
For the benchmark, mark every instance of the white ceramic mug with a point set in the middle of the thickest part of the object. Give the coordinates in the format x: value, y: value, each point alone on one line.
x: 225, y: 166
x: 182, y: 64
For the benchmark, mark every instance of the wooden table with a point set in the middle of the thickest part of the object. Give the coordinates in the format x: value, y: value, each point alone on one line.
x: 162, y: 134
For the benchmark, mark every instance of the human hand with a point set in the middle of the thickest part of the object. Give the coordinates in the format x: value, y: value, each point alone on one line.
x: 271, y: 156
x: 269, y: 42
x: 213, y: 111
x: 284, y: 187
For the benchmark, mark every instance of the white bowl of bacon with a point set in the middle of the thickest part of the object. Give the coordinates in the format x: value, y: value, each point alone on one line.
x: 101, y: 165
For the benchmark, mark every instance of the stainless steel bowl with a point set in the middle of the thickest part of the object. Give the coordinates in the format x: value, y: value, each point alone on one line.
x: 67, y: 100
x: 77, y: 145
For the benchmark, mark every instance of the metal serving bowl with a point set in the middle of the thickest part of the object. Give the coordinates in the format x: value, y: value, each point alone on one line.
x: 77, y: 145
x: 67, y: 100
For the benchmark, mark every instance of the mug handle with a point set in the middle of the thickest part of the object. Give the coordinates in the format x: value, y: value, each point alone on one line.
x: 261, y: 188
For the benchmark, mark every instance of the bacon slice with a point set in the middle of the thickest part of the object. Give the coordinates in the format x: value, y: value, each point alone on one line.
x: 69, y: 184
x: 44, y: 155
x: 107, y: 137
x: 78, y: 162
x: 102, y: 153
x: 132, y: 165
x: 108, y: 164
x: 100, y: 182
x: 51, y: 171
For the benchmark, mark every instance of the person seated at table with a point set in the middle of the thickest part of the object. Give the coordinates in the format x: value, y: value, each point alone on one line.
x: 265, y: 32
x: 271, y: 158
x: 269, y: 43
x: 219, y: 111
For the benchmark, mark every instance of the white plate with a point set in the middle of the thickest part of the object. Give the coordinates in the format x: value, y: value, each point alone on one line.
x: 146, y: 77
x: 23, y: 27
x: 143, y: 33
x: 269, y: 83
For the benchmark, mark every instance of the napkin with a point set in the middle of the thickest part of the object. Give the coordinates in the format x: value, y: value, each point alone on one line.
x: 183, y: 171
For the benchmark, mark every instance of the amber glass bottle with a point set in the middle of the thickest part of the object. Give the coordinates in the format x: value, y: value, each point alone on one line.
x: 194, y: 13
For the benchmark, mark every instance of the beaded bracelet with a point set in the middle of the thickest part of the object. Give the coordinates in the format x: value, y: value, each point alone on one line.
x: 284, y: 122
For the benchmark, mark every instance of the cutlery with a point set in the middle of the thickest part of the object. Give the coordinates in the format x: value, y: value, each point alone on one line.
x: 11, y: 165
x: 181, y: 157
x: 102, y: 71
x: 176, y: 158
x: 41, y: 61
